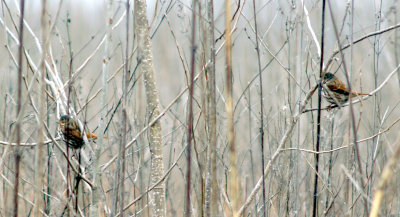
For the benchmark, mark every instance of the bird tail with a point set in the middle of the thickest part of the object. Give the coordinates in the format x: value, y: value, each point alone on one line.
x: 354, y: 93
x: 91, y: 135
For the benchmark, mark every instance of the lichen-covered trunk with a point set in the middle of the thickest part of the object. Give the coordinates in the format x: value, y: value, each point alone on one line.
x: 211, y: 202
x: 145, y: 60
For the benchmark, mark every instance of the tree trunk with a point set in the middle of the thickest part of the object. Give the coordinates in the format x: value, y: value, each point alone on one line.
x: 211, y: 203
x: 145, y: 60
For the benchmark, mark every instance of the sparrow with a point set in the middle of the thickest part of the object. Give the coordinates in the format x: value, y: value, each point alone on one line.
x: 335, y: 91
x: 71, y: 132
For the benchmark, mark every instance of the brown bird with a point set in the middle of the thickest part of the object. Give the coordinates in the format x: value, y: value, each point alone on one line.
x: 338, y: 93
x: 71, y: 132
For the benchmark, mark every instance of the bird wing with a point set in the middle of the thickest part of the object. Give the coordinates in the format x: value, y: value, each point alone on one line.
x: 338, y: 87
x: 73, y: 133
x: 77, y: 134
x: 73, y: 129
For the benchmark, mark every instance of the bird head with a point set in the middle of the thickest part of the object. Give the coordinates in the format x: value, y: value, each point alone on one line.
x: 328, y: 77
x: 65, y: 119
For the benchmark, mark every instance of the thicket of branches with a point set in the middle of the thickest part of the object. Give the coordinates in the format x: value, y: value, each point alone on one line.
x: 201, y: 108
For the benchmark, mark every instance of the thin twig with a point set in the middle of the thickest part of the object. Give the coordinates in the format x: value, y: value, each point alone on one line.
x: 261, y: 110
x: 279, y: 149
x: 351, y: 108
x: 357, y: 41
x: 157, y: 183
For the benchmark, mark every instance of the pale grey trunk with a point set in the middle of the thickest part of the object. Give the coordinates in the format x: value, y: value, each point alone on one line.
x: 145, y: 60
x: 211, y: 202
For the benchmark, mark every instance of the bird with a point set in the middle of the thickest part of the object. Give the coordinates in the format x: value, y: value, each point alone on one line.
x: 335, y: 91
x: 71, y: 132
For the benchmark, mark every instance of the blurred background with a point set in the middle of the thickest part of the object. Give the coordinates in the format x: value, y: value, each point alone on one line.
x: 289, y: 58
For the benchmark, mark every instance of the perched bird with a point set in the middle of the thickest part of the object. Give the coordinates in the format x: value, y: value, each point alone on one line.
x: 337, y: 92
x: 71, y: 132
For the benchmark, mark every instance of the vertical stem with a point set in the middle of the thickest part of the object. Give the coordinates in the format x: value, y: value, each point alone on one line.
x: 353, y: 122
x: 124, y: 113
x: 282, y: 142
x: 190, y: 117
x: 250, y: 149
x: 376, y: 112
x: 49, y: 163
x: 40, y: 147
x: 115, y: 187
x: 94, y: 208
x: 70, y: 67
x: 234, y: 184
x: 396, y: 41
x: 321, y: 64
x: 330, y: 162
x: 261, y: 110
x: 299, y: 71
x: 19, y: 101
x: 77, y: 180
x: 69, y: 100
